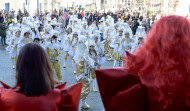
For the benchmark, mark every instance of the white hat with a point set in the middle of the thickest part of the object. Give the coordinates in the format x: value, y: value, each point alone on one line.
x: 96, y: 34
x: 126, y: 32
x: 48, y: 19
x: 48, y: 28
x: 75, y: 32
x: 38, y: 22
x: 69, y: 27
x: 140, y: 32
x: 90, y: 42
x: 30, y: 18
x: 31, y: 24
x: 81, y: 51
x: 26, y: 30
x: 54, y: 32
x: 24, y: 21
x: 53, y: 22
x: 17, y: 29
x: 102, y: 19
x: 81, y: 38
x: 120, y: 29
x: 59, y: 24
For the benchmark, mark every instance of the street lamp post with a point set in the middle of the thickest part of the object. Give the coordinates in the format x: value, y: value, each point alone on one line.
x: 52, y: 4
x: 37, y: 6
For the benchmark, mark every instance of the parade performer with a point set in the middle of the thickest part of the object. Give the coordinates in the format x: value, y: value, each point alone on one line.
x: 53, y: 54
x: 156, y: 76
x: 101, y: 29
x: 126, y: 45
x: 37, y: 41
x: 135, y: 46
x: 83, y: 63
x: 73, y: 45
x: 94, y: 56
x: 55, y: 25
x: 35, y: 32
x: 99, y: 47
x: 67, y: 44
x: 108, y: 38
x: 107, y: 31
x: 116, y: 42
x: 140, y: 33
x: 35, y: 88
x: 84, y: 29
x: 46, y: 37
x: 12, y: 48
x: 94, y: 26
x: 25, y: 38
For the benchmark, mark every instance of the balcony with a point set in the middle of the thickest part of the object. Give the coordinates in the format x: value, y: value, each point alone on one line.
x: 57, y: 1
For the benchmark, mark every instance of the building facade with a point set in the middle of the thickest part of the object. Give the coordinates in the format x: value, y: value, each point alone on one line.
x: 169, y: 7
x: 32, y: 6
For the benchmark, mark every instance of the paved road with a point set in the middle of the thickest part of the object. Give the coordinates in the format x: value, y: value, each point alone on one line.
x: 7, y: 75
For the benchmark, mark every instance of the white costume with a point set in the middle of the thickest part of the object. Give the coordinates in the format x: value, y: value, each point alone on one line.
x: 23, y: 40
x: 116, y: 44
x: 83, y: 63
x: 12, y: 48
x: 67, y: 46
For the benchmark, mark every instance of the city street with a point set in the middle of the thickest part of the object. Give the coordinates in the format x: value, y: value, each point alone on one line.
x: 7, y: 75
x: 153, y: 35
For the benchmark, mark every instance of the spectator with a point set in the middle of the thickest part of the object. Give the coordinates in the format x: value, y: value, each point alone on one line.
x: 67, y: 19
x: 35, y: 89
x: 1, y: 17
x: 156, y: 77
x: 3, y: 28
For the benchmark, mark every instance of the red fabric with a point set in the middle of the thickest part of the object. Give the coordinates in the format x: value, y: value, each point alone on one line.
x: 82, y: 13
x: 4, y: 85
x: 55, y: 100
x: 59, y: 86
x: 70, y: 98
x: 56, y: 82
x: 163, y: 64
x: 120, y: 91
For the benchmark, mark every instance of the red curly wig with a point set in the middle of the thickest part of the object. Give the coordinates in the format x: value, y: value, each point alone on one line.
x: 163, y: 61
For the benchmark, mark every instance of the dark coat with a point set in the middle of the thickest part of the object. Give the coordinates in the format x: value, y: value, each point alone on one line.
x: 3, y: 29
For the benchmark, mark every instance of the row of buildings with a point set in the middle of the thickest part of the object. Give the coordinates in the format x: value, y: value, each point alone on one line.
x: 32, y: 6
x: 166, y: 7
x: 181, y: 7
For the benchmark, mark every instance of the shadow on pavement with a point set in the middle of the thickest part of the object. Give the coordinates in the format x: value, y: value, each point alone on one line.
x: 3, y: 47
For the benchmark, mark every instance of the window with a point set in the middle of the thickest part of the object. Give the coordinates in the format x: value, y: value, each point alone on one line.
x: 7, y: 7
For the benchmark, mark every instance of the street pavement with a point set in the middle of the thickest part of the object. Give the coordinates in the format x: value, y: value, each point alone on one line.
x: 7, y: 75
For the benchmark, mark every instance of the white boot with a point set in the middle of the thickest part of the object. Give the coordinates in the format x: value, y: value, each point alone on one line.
x: 64, y: 63
x: 122, y: 64
x: 94, y: 89
x: 85, y: 105
x: 110, y: 59
x: 114, y: 64
x: 72, y: 63
x: 13, y: 61
x: 74, y: 67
